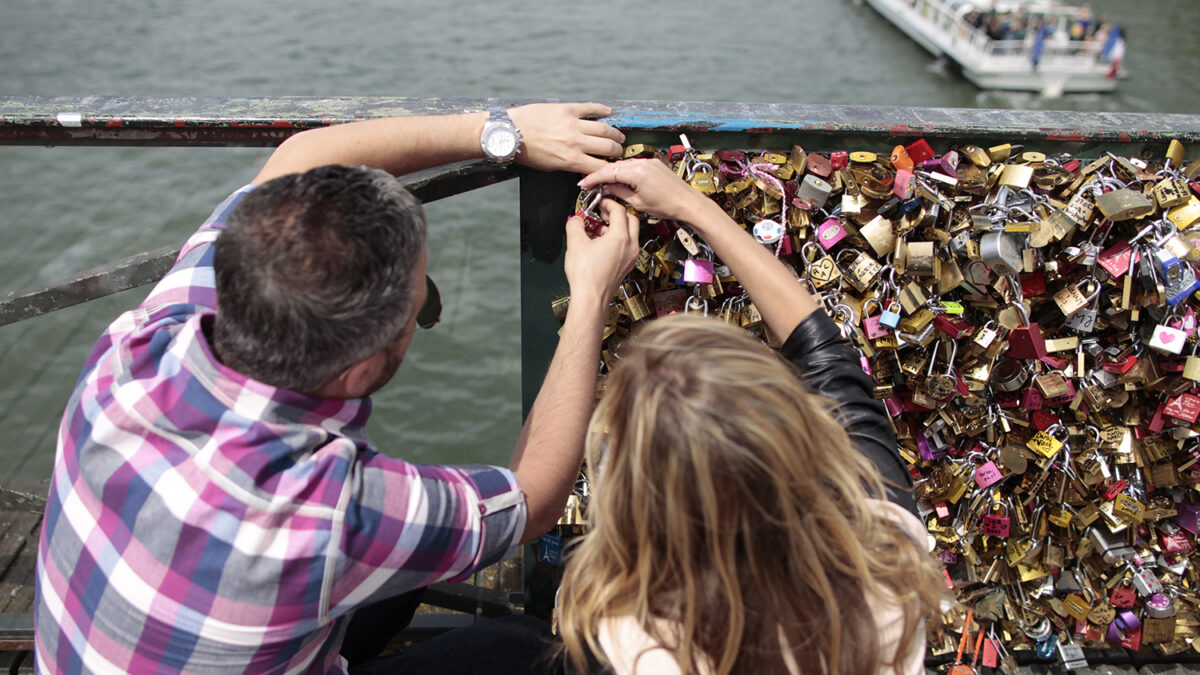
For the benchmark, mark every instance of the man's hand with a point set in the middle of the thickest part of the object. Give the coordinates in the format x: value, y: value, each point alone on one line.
x: 649, y: 186
x: 595, y: 267
x: 557, y: 138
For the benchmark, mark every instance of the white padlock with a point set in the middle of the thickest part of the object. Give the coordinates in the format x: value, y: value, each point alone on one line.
x: 768, y: 231
x: 1168, y: 339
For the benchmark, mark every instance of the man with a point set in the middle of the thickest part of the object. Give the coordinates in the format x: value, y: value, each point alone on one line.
x: 216, y: 504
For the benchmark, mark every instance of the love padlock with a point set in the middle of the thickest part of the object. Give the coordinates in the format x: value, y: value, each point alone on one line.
x: 995, y: 524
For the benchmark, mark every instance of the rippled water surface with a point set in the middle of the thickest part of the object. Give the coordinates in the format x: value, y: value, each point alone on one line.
x: 457, y: 398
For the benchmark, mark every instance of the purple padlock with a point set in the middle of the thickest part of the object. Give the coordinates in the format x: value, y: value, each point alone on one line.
x: 1126, y: 621
x: 830, y: 232
x: 1160, y: 606
x: 696, y: 271
x: 948, y: 164
x: 926, y: 450
x: 1187, y: 516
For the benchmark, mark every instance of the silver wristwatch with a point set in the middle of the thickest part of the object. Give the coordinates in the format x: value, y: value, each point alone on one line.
x: 500, y: 140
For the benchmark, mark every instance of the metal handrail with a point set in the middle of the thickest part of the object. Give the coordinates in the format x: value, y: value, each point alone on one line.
x: 148, y: 267
x: 257, y: 122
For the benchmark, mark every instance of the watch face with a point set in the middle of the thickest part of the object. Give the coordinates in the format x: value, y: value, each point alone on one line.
x: 501, y: 143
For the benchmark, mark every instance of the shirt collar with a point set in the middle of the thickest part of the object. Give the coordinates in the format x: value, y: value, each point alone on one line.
x: 253, y: 399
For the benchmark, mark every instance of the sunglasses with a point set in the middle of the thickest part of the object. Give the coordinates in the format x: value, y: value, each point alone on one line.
x: 431, y: 311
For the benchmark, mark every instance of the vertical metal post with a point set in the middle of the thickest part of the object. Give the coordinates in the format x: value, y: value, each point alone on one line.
x: 547, y: 199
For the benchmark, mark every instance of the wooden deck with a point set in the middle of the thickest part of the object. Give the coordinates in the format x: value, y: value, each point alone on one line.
x: 19, y: 528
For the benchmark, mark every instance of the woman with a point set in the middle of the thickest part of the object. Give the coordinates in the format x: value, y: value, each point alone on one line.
x: 741, y: 521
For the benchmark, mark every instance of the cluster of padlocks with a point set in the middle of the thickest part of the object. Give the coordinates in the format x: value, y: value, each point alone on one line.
x: 1030, y: 324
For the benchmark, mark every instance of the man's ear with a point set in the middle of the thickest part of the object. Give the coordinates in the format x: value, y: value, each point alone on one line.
x: 357, y: 379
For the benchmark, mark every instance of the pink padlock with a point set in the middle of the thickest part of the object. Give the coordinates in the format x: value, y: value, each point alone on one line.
x: 830, y: 233
x: 1032, y: 399
x: 987, y: 474
x: 894, y: 405
x: 696, y: 271
x: 872, y: 326
x: 996, y: 525
x: 1065, y: 398
x: 903, y: 184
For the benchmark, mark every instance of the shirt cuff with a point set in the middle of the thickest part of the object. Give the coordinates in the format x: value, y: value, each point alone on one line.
x: 502, y: 513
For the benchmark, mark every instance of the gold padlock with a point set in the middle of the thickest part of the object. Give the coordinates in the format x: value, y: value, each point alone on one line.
x: 1171, y: 192
x: 1052, y: 385
x: 862, y: 271
x: 702, y: 181
x: 1124, y: 204
x: 880, y: 235
x: 922, y: 261
x: 977, y: 155
x: 640, y: 150
x: 798, y: 159
x: 912, y: 297
x: 999, y: 153
x: 1185, y: 215
x: 1077, y: 606
x: 1016, y: 176
x: 1079, y: 210
x: 1191, y: 367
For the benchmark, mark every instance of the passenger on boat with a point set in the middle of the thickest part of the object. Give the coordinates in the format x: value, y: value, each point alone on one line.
x: 749, y: 513
x: 216, y: 504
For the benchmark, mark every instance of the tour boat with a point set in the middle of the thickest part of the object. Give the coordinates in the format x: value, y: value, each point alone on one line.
x: 1024, y: 46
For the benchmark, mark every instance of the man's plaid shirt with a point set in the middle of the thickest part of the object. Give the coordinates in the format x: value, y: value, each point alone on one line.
x: 199, y: 521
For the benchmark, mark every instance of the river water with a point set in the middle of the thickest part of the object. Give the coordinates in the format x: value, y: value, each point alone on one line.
x: 457, y: 397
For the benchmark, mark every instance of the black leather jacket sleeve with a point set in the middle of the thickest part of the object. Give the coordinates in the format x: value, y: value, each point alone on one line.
x: 830, y: 366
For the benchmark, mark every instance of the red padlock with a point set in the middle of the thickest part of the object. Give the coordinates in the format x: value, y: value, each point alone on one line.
x: 953, y: 326
x: 1157, y: 422
x: 919, y: 150
x: 1175, y: 543
x: 1043, y: 419
x: 1033, y: 284
x: 1056, y: 362
x: 1026, y: 342
x: 819, y: 165
x: 1122, y: 597
x: 591, y: 224
x: 839, y: 160
x: 1032, y: 399
x: 1120, y: 366
x: 1133, y: 639
x: 1185, y: 407
x: 1116, y: 488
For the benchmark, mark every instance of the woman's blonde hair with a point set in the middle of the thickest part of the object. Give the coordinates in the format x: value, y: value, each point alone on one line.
x: 730, y: 516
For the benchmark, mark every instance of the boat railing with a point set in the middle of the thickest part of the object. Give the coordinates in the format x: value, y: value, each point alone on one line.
x: 961, y: 32
x: 545, y: 200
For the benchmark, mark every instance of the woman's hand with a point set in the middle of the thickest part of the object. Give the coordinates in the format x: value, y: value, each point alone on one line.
x: 558, y: 138
x: 596, y: 266
x: 651, y: 187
